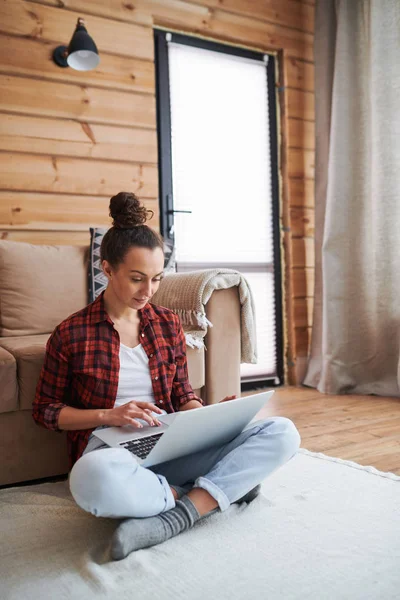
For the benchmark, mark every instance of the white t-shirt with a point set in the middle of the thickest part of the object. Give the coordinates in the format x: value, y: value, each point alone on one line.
x: 134, y: 383
x: 134, y: 376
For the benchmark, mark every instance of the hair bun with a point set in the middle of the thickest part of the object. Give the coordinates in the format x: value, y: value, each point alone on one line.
x: 127, y: 212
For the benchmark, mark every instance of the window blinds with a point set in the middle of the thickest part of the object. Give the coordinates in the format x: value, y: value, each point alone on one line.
x: 221, y: 172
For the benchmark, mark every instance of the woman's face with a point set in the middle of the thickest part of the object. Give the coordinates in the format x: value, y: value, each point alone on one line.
x: 136, y: 279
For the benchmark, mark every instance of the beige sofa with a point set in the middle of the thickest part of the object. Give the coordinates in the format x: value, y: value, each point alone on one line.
x: 39, y: 287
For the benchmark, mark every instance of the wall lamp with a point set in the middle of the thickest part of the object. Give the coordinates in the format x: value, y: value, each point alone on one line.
x: 81, y: 54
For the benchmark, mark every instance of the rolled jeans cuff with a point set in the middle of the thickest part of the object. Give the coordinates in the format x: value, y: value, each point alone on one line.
x: 169, y: 497
x: 214, y: 491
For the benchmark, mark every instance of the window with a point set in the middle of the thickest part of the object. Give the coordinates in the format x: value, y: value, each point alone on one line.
x: 218, y: 173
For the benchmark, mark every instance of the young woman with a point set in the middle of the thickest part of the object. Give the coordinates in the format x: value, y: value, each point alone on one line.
x: 122, y: 361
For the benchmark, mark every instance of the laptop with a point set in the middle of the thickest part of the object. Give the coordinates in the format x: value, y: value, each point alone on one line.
x: 185, y: 432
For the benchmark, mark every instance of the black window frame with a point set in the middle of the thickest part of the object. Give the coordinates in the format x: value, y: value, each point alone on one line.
x: 166, y: 207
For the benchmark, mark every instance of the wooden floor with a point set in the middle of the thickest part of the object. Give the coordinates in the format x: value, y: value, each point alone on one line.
x: 365, y: 429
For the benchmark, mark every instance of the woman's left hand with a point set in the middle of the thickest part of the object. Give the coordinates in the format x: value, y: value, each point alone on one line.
x: 227, y: 398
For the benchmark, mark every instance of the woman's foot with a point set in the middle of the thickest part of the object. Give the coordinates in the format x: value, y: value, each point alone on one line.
x: 202, y: 500
x: 135, y: 534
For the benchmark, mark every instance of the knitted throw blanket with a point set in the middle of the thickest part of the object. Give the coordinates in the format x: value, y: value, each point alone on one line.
x: 188, y: 293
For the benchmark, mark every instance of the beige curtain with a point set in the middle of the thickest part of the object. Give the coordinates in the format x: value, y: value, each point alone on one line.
x: 356, y: 335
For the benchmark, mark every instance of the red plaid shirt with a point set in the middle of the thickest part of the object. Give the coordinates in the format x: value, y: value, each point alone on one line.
x: 81, y: 367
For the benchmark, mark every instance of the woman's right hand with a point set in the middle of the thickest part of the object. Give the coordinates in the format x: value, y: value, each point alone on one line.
x: 125, y: 414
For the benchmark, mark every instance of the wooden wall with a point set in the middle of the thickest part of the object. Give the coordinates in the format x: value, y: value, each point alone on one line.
x: 70, y: 140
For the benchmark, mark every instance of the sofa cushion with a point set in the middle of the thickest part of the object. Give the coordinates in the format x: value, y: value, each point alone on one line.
x: 29, y: 352
x: 40, y: 286
x: 8, y: 382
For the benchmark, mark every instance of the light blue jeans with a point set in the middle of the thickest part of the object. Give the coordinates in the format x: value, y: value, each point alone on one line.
x: 108, y: 482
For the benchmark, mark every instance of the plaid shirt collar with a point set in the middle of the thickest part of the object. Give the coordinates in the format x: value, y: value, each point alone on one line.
x: 98, y: 313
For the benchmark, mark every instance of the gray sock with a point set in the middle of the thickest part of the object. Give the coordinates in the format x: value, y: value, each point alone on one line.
x: 134, y: 534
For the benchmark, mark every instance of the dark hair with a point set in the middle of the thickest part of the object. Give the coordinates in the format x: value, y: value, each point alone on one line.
x: 128, y: 229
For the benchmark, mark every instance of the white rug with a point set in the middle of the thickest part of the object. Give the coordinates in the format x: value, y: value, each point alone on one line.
x: 324, y: 529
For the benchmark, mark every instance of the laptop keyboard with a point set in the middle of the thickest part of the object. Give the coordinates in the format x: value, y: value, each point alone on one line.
x: 142, y: 446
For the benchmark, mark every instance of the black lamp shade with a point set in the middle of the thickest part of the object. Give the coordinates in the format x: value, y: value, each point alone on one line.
x: 82, y: 51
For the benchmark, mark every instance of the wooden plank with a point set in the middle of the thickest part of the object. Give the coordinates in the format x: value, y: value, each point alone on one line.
x: 289, y: 350
x: 302, y: 340
x: 61, y: 137
x: 302, y: 222
x: 52, y: 238
x: 303, y: 282
x: 32, y: 57
x: 300, y: 104
x: 344, y: 421
x: 260, y: 34
x: 301, y: 192
x: 301, y: 163
x: 387, y: 461
x: 30, y: 173
x: 331, y: 442
x: 309, y: 2
x: 54, y: 226
x: 283, y: 12
x: 253, y: 33
x: 109, y: 151
x: 375, y: 447
x: 382, y: 429
x: 303, y: 252
x: 299, y: 74
x: 37, y: 21
x: 44, y: 98
x: 142, y: 11
x: 301, y: 134
x: 19, y: 210
x: 303, y: 312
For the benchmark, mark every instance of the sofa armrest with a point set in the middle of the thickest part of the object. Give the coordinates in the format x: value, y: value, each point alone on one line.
x: 8, y: 382
x: 184, y: 293
x: 222, y: 357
